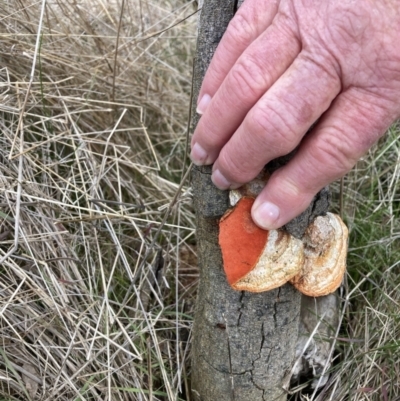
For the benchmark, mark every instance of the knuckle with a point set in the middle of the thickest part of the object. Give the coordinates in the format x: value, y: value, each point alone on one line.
x: 215, y: 74
x: 289, y: 188
x: 206, y: 132
x: 323, y: 65
x: 235, y: 168
x: 273, y: 127
x: 335, y: 151
x: 240, y: 30
x: 248, y: 77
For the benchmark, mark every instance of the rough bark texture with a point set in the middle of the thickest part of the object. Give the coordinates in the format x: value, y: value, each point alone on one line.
x: 243, y: 343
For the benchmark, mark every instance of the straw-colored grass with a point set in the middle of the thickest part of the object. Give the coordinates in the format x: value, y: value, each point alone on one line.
x: 94, y: 105
x: 366, y: 358
x: 98, y: 257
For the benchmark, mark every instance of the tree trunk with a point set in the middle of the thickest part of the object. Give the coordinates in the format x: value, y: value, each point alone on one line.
x: 243, y: 343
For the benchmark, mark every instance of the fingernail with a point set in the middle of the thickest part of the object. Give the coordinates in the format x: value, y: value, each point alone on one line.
x: 219, y: 180
x: 203, y: 104
x: 266, y: 216
x: 198, y: 155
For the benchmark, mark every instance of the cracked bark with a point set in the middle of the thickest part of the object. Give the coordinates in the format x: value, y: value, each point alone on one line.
x: 243, y: 343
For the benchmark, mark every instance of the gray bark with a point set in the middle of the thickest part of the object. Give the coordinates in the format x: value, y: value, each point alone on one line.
x: 243, y: 343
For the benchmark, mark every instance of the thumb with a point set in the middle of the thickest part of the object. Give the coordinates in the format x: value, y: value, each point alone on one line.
x: 346, y: 132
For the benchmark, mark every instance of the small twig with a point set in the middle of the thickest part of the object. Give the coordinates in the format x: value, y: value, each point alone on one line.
x: 341, y: 202
x: 185, y: 155
x: 20, y: 128
x: 100, y: 202
x: 116, y: 51
x: 155, y: 238
x: 35, y: 54
x: 168, y: 28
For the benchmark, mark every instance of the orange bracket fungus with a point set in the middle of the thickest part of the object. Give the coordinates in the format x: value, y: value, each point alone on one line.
x: 257, y: 260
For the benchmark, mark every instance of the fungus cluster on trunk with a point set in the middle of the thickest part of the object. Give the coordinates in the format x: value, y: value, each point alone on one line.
x: 257, y: 260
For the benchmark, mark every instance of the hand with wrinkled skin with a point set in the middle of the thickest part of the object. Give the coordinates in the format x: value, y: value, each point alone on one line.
x: 283, y: 64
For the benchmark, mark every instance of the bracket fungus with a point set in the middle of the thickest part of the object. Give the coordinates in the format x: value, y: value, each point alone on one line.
x: 257, y: 260
x: 325, y: 249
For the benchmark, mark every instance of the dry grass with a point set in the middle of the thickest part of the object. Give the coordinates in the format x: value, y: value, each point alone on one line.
x: 94, y: 104
x: 366, y: 358
x: 369, y: 345
x: 97, y: 272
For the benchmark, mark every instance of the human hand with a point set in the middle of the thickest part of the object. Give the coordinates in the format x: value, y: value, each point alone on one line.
x: 281, y: 66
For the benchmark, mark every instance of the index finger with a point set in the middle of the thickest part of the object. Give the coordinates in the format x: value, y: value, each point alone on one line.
x: 252, y: 18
